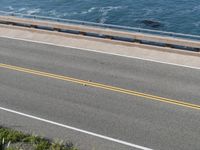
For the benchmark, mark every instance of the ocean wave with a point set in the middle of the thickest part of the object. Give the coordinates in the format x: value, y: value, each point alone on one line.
x: 103, y: 12
x: 106, y: 10
x: 53, y: 13
x: 33, y: 11
x: 88, y: 11
x: 10, y: 8
x: 21, y: 9
x: 136, y: 14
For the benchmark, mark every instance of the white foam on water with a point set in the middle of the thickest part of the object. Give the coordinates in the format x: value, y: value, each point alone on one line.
x: 10, y: 8
x: 106, y: 10
x: 88, y: 11
x: 21, y: 9
x: 54, y: 13
x: 33, y: 11
x: 99, y: 12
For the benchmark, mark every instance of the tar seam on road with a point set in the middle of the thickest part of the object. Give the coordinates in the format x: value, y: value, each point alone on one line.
x: 101, y: 86
x: 98, y: 51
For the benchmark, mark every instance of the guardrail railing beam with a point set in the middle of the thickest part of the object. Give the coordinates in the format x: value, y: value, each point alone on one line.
x: 126, y: 34
x: 123, y: 28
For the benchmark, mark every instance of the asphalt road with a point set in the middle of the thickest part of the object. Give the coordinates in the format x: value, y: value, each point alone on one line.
x: 164, y: 115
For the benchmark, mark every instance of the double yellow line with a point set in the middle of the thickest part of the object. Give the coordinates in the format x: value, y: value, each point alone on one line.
x: 101, y: 86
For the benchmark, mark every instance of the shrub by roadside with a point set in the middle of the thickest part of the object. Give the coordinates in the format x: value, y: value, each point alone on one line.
x: 15, y: 140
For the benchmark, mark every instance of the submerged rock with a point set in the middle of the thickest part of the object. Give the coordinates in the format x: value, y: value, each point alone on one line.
x: 152, y: 23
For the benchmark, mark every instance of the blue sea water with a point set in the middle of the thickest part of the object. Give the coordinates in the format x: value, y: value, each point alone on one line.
x: 181, y: 16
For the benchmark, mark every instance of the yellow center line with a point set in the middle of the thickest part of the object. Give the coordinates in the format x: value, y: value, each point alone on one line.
x: 102, y: 86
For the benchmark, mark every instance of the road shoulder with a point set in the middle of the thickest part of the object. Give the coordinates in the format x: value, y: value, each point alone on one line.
x: 168, y: 56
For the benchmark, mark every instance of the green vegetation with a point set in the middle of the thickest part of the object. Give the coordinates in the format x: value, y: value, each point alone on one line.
x: 15, y: 140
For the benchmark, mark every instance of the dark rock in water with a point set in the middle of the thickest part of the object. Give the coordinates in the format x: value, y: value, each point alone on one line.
x: 152, y: 23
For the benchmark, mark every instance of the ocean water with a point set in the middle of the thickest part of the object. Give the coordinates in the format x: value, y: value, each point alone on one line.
x: 181, y: 16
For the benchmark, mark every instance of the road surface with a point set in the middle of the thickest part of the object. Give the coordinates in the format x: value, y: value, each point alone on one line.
x: 141, y: 103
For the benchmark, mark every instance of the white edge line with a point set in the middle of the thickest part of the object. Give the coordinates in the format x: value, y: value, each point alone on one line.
x: 76, y: 129
x: 91, y: 50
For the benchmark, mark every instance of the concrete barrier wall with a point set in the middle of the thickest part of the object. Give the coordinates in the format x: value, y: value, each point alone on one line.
x: 107, y: 33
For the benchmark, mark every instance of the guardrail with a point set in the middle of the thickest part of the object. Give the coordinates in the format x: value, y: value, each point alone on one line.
x: 107, y: 26
x: 191, y: 43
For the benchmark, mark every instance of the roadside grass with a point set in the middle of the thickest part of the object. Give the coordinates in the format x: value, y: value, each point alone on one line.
x: 10, y: 138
